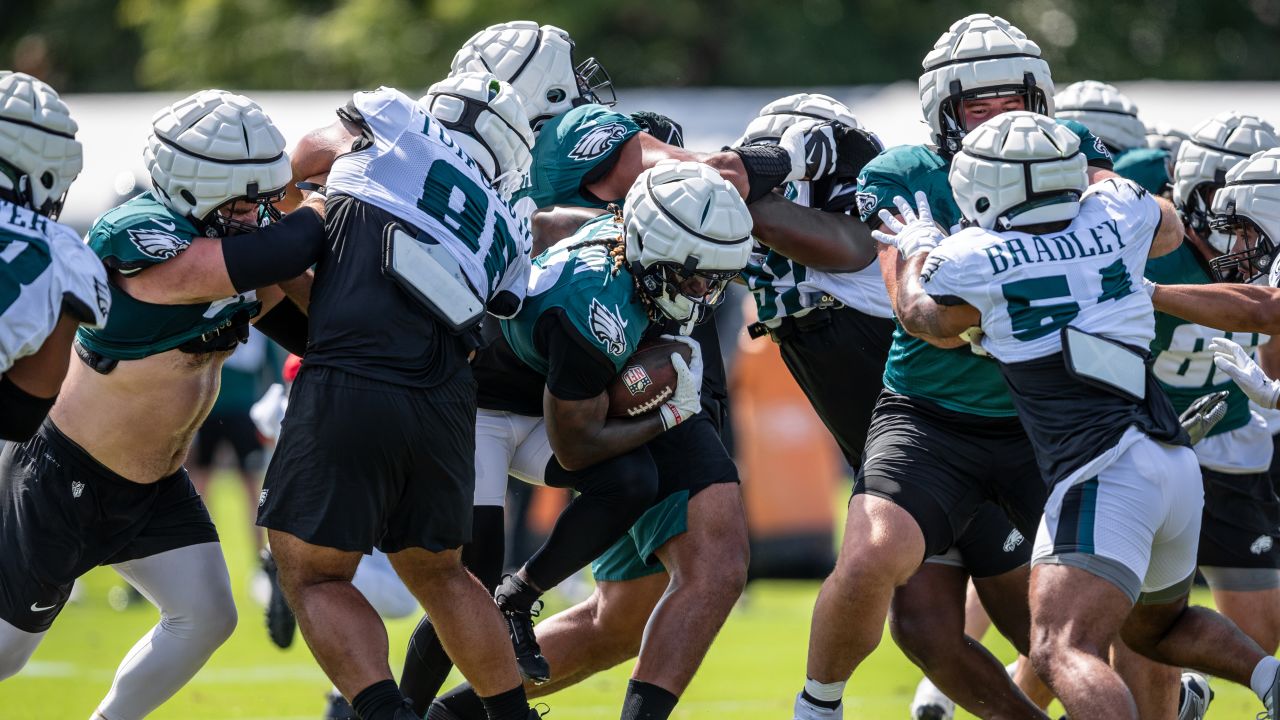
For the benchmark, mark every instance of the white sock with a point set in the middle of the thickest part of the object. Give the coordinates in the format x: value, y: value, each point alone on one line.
x: 826, y: 692
x: 1264, y: 674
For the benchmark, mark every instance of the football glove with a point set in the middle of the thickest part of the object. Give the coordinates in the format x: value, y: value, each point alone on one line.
x: 811, y: 146
x: 1203, y: 414
x: 916, y: 233
x: 660, y: 126
x: 855, y: 148
x: 686, y: 401
x: 1236, y: 363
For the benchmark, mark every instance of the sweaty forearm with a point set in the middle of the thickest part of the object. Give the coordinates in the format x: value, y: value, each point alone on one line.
x: 922, y: 316
x: 1229, y: 307
x: 581, y: 447
x: 827, y: 241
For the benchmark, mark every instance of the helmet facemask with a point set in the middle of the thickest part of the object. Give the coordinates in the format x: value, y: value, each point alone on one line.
x: 22, y: 193
x: 594, y: 84
x: 951, y: 112
x: 222, y: 221
x: 1254, y: 251
x: 667, y: 285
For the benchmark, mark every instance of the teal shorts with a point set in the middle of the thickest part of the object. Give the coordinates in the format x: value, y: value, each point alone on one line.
x: 632, y: 557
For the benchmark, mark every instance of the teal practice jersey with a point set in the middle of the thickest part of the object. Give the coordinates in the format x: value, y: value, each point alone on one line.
x: 599, y: 303
x: 570, y: 147
x: 130, y: 238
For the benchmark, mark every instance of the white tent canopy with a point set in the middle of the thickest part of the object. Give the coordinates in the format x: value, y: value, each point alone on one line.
x: 114, y: 127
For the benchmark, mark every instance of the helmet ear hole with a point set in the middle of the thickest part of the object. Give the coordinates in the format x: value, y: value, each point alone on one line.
x: 982, y: 204
x: 187, y: 196
x: 46, y: 179
x: 556, y: 95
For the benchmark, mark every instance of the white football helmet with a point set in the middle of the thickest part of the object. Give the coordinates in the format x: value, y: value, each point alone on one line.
x: 777, y: 116
x: 682, y: 220
x: 538, y: 62
x: 1248, y: 209
x: 39, y: 154
x: 1016, y: 169
x: 485, y: 116
x: 980, y: 56
x: 1215, y: 146
x: 1108, y: 113
x: 214, y: 147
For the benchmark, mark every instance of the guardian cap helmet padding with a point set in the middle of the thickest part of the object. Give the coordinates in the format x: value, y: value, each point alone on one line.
x: 1017, y: 169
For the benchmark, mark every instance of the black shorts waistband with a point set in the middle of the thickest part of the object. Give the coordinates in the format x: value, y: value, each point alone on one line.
x: 890, y: 401
x: 63, y: 449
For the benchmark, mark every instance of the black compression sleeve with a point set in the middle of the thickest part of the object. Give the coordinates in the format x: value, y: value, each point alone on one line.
x: 575, y: 370
x: 280, y: 251
x: 20, y: 413
x: 287, y: 325
x: 767, y: 167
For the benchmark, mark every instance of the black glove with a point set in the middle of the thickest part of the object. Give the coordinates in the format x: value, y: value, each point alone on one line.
x: 660, y: 126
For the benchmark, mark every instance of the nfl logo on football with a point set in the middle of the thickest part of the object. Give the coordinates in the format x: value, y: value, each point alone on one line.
x: 636, y: 379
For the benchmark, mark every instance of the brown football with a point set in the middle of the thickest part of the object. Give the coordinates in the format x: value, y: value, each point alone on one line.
x: 647, y: 378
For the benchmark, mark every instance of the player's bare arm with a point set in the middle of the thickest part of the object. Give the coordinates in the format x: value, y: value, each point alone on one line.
x: 213, y: 268
x: 41, y: 373
x: 644, y: 151
x: 827, y: 241
x: 551, y: 225
x: 314, y: 155
x: 923, y: 316
x: 1229, y: 307
x: 581, y: 435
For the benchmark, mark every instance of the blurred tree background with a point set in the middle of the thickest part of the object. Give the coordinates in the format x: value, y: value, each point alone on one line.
x: 92, y: 45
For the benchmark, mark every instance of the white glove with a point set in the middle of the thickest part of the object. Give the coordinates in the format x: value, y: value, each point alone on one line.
x: 686, y: 401
x: 973, y: 336
x: 1149, y: 287
x: 268, y: 413
x: 916, y: 233
x: 811, y: 144
x: 1236, y: 363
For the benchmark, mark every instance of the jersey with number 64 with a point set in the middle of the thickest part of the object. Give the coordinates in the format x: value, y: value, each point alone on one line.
x: 45, y: 269
x: 412, y: 168
x: 1029, y: 287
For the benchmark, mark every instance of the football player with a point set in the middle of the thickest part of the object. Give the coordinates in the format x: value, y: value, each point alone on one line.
x: 378, y: 447
x: 1113, y: 118
x: 944, y: 437
x: 1238, y: 554
x: 50, y: 283
x: 618, y: 279
x: 1049, y: 267
x: 834, y: 331
x: 192, y: 262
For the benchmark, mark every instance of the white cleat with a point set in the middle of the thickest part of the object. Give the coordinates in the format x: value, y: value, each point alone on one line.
x: 930, y: 704
x: 1195, y: 696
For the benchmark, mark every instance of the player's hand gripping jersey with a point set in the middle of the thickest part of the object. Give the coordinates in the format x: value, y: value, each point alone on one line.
x: 596, y: 303
x: 44, y: 269
x: 410, y: 166
x: 956, y: 379
x: 137, y: 235
x: 1029, y: 288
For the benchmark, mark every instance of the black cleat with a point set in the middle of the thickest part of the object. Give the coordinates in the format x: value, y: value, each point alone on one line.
x: 281, y: 623
x: 533, y: 667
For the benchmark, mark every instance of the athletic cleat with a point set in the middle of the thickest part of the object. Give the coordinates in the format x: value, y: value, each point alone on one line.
x: 930, y: 704
x: 805, y: 710
x: 508, y: 596
x: 339, y: 708
x: 281, y: 623
x: 1194, y: 696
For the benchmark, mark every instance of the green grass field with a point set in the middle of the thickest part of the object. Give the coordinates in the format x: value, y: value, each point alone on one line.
x: 752, y: 672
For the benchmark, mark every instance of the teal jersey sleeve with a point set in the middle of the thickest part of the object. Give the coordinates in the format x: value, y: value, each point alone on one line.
x: 569, y: 149
x: 1090, y: 144
x: 140, y: 233
x: 1149, y: 167
x: 901, y: 171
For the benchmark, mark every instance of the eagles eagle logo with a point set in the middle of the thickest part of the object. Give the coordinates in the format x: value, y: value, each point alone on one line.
x: 866, y: 203
x: 597, y: 142
x: 157, y: 244
x: 608, y: 327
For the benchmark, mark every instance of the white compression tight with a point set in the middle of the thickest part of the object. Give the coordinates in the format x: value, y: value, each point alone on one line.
x: 191, y: 587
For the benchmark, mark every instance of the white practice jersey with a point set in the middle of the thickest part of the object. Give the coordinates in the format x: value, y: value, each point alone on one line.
x: 44, y: 268
x: 784, y: 287
x: 1028, y: 287
x: 413, y: 169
